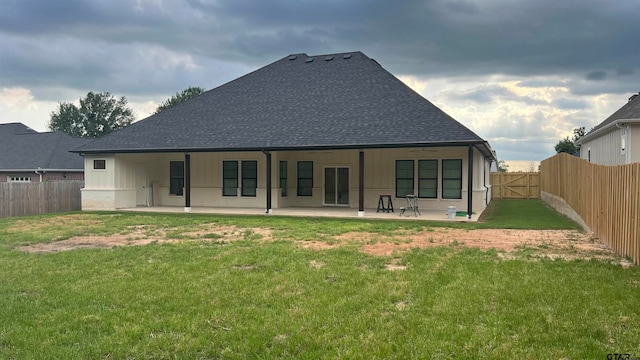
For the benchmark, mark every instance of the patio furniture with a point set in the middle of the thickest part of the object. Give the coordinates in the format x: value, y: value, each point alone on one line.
x: 381, y: 205
x: 412, y: 204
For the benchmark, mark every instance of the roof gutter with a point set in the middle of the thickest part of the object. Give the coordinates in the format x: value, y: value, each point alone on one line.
x: 483, y: 145
x: 618, y: 123
x: 41, y: 170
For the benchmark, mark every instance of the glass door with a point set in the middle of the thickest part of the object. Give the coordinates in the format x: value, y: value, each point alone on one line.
x: 336, y: 186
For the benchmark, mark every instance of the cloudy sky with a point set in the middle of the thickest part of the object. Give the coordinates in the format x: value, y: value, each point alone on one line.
x: 520, y: 73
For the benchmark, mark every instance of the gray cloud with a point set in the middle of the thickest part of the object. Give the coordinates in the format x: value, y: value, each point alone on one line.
x: 491, y: 94
x: 569, y: 104
x: 597, y: 75
x: 153, y: 48
x: 538, y: 83
x: 441, y: 38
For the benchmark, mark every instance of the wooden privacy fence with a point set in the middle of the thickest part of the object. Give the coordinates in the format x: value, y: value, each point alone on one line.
x: 607, y: 198
x: 18, y: 199
x: 515, y: 185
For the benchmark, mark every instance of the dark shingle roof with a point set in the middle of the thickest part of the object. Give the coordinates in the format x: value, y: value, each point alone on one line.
x: 630, y: 110
x: 328, y: 101
x: 24, y: 148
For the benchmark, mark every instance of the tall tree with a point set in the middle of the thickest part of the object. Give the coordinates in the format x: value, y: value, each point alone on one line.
x: 502, y: 166
x: 569, y: 146
x: 184, y: 95
x: 98, y: 114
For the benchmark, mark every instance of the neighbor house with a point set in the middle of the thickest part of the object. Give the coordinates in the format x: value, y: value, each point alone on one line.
x: 616, y: 140
x: 29, y: 156
x: 305, y: 131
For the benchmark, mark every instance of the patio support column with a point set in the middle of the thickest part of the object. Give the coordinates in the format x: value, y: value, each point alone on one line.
x: 470, y: 182
x: 361, y: 184
x: 268, y: 181
x: 187, y: 182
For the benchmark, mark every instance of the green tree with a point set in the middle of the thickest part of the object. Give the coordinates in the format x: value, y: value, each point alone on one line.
x: 502, y: 166
x: 184, y: 95
x: 569, y: 146
x: 98, y: 114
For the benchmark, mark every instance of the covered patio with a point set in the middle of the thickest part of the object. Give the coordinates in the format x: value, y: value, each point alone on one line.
x: 337, y: 212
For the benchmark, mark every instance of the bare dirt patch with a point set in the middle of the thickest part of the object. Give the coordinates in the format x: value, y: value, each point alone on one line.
x: 143, y: 235
x: 566, y: 244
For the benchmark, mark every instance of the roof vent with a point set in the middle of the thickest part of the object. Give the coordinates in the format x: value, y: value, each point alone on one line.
x: 308, y: 60
x: 293, y: 57
x: 328, y: 58
x: 347, y: 56
x: 633, y: 97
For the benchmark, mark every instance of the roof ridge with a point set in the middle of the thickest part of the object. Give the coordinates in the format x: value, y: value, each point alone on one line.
x: 292, y: 103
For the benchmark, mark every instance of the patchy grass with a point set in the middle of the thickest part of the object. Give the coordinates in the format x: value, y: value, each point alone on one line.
x: 252, y: 298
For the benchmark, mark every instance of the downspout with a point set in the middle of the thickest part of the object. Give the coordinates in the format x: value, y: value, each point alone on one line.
x: 484, y: 179
x: 37, y: 171
x: 470, y: 182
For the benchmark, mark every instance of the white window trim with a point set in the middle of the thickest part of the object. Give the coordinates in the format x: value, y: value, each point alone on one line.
x: 18, y: 179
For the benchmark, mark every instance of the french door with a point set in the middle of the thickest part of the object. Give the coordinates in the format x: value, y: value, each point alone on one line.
x: 336, y: 186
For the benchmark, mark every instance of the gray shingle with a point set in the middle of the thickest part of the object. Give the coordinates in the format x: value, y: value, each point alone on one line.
x: 630, y: 110
x: 293, y: 103
x: 24, y: 148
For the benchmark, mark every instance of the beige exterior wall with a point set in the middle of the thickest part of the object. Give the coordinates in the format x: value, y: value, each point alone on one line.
x: 606, y: 149
x: 131, y: 180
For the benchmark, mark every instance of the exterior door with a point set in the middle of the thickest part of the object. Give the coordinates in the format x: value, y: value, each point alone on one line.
x: 142, y: 193
x: 336, y: 186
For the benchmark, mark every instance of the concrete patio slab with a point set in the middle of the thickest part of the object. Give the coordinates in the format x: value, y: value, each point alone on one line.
x: 335, y: 212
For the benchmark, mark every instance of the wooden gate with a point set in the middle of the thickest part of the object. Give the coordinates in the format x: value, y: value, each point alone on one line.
x: 515, y: 185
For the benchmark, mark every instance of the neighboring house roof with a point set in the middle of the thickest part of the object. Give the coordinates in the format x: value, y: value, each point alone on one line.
x: 22, y: 148
x: 337, y: 101
x: 629, y: 112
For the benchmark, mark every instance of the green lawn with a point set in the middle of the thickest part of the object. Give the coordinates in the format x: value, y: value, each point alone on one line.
x: 204, y: 297
x: 524, y: 214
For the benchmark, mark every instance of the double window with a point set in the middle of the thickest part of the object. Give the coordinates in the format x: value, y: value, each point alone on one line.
x: 305, y: 178
x: 176, y: 177
x: 230, y: 178
x: 427, y: 184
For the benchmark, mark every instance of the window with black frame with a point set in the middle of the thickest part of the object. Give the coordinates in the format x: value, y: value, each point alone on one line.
x: 428, y: 179
x: 404, y: 178
x: 176, y: 177
x: 305, y: 178
x: 452, y: 179
x: 229, y: 178
x: 283, y: 178
x: 249, y: 177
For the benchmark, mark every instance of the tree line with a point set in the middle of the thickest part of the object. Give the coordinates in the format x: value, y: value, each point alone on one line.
x: 101, y: 113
